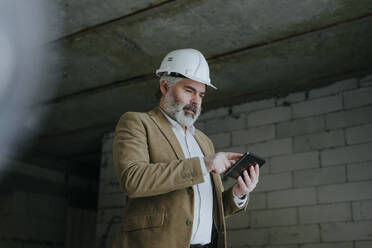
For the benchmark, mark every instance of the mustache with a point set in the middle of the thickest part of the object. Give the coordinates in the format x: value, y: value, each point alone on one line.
x: 191, y: 107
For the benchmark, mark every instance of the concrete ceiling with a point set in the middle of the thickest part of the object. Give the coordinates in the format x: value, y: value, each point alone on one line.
x: 109, y: 50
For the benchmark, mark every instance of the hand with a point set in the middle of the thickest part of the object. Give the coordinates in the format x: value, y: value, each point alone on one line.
x: 244, y: 187
x: 219, y: 162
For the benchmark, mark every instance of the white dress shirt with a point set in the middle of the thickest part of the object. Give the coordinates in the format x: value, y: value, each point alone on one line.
x: 203, y: 192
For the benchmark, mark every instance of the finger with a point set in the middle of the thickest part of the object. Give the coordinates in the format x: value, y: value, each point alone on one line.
x: 232, y: 161
x: 227, y: 164
x: 242, y: 185
x: 255, y: 178
x: 247, y: 179
x: 232, y: 155
x: 257, y: 169
x: 252, y: 174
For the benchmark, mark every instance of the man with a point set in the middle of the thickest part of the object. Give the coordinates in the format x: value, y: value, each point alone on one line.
x: 169, y: 170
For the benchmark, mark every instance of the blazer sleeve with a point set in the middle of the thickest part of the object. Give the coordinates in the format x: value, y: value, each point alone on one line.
x: 229, y: 205
x: 138, y: 177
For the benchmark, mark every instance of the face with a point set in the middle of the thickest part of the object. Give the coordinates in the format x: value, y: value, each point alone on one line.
x: 183, y: 101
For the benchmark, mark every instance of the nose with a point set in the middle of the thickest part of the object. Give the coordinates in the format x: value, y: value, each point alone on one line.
x: 196, y: 100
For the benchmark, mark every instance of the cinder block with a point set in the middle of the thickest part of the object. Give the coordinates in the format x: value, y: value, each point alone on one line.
x: 257, y: 201
x: 109, y: 215
x: 297, y: 161
x: 359, y: 134
x: 105, y: 241
x: 221, y: 140
x: 362, y: 210
x: 225, y: 124
x: 238, y: 221
x: 274, y: 217
x: 247, y: 237
x: 274, y: 182
x: 109, y: 232
x: 253, y: 106
x: 334, y: 88
x: 109, y: 186
x: 292, y: 197
x: 329, y: 245
x: 291, y: 98
x: 359, y: 172
x: 345, y: 192
x: 319, y: 176
x: 363, y: 244
x: 253, y: 135
x: 319, y: 141
x: 349, y: 118
x: 214, y: 113
x: 295, y: 234
x: 200, y: 125
x: 264, y: 170
x: 238, y: 149
x: 272, y: 148
x: 277, y: 246
x: 109, y: 135
x: 107, y: 170
x: 107, y: 142
x: 346, y: 154
x: 300, y: 126
x: 111, y: 200
x: 317, y: 106
x: 325, y: 213
x: 268, y: 116
x: 346, y: 231
x: 358, y: 98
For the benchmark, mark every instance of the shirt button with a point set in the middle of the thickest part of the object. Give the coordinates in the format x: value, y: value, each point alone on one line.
x: 190, y: 190
x: 188, y: 222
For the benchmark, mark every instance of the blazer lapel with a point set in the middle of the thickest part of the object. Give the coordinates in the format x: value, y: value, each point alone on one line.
x: 167, y: 131
x: 203, y: 144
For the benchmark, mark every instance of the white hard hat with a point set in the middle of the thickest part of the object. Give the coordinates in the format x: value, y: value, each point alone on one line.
x: 189, y: 63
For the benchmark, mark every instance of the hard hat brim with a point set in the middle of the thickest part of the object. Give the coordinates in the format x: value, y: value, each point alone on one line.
x: 160, y: 73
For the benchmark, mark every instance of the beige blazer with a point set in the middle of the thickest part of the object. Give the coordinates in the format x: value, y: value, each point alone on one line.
x: 157, y: 178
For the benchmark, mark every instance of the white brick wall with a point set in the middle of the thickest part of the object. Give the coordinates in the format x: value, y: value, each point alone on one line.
x: 111, y: 199
x: 316, y: 188
x: 295, y: 234
x: 325, y: 213
x: 34, y: 209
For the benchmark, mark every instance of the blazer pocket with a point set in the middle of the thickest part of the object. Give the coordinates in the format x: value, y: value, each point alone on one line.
x: 137, y: 222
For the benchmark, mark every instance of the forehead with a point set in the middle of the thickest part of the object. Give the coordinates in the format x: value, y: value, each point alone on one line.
x: 200, y: 87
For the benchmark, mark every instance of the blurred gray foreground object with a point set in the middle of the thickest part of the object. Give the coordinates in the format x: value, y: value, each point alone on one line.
x: 23, y: 26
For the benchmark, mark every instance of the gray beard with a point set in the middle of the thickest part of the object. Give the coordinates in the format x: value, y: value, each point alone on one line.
x: 175, y: 110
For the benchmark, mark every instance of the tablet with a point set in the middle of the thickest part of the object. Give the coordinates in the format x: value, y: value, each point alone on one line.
x: 243, y: 163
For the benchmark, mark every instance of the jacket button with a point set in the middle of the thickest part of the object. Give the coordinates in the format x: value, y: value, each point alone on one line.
x: 190, y: 190
x: 188, y: 222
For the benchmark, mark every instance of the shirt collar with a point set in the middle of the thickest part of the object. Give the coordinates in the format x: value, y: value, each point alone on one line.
x: 175, y: 124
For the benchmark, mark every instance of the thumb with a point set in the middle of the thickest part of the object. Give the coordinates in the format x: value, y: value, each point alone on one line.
x: 232, y: 162
x: 232, y: 155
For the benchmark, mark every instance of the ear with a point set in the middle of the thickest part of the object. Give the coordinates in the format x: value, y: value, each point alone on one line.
x: 163, y: 87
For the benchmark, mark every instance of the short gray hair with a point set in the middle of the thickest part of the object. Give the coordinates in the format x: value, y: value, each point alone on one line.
x: 170, y: 81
